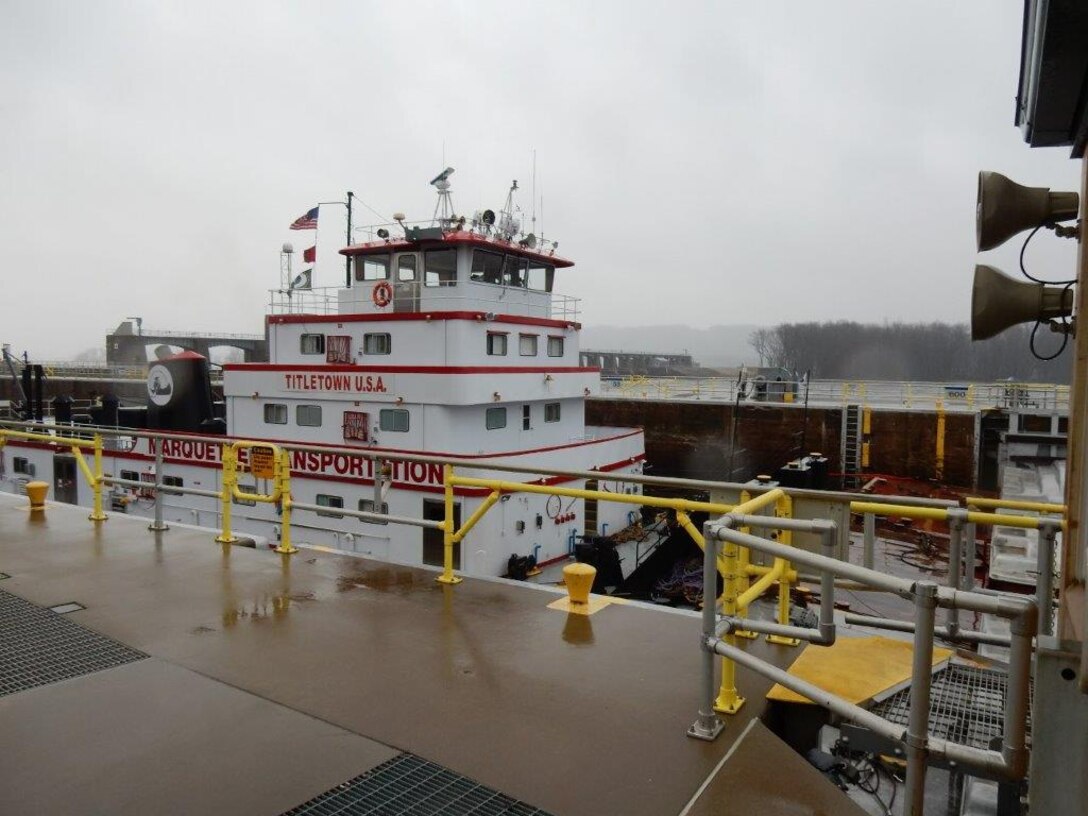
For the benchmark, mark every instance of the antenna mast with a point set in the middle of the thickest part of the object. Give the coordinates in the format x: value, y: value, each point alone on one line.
x: 443, y: 208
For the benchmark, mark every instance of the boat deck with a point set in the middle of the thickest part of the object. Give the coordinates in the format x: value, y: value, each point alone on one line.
x: 230, y: 680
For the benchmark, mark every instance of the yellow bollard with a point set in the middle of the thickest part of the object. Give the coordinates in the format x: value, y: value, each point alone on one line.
x: 283, y: 479
x: 729, y: 702
x: 447, y: 576
x: 227, y: 494
x: 784, y: 509
x: 579, y: 580
x: 36, y: 491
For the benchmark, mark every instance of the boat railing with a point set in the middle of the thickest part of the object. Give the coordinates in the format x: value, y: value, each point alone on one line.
x: 470, y: 297
x: 954, y: 396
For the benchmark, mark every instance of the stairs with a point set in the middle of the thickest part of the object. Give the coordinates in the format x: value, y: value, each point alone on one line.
x: 850, y: 451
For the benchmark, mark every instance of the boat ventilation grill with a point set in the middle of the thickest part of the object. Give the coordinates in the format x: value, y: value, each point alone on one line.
x: 410, y: 785
x: 967, y: 705
x: 38, y: 647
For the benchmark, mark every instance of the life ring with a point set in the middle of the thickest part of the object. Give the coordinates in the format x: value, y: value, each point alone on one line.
x: 382, y: 294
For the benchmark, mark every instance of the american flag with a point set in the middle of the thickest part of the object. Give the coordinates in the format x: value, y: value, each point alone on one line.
x: 305, y: 222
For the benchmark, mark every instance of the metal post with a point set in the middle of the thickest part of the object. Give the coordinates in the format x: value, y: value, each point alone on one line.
x: 447, y: 576
x: 917, y: 736
x: 869, y: 533
x: 955, y: 557
x: 96, y: 512
x: 226, y: 494
x: 158, y: 525
x: 283, y: 481
x: 969, y: 532
x: 708, y: 725
x: 1044, y: 582
x: 729, y: 701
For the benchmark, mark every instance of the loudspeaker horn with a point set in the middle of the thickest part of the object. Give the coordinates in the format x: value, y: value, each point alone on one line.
x: 1006, y: 208
x: 999, y: 302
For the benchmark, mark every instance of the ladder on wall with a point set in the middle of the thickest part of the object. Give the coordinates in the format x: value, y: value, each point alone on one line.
x: 850, y: 451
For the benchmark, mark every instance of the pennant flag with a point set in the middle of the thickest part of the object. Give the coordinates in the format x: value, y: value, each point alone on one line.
x: 303, y: 280
x: 306, y: 222
x: 310, y: 255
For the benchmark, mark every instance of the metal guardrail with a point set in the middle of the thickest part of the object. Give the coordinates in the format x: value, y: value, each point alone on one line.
x: 876, y: 393
x: 466, y: 296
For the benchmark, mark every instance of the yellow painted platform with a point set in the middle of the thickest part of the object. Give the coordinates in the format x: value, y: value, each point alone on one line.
x: 856, y: 669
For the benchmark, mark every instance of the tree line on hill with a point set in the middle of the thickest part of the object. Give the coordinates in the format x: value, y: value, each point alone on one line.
x: 939, y: 352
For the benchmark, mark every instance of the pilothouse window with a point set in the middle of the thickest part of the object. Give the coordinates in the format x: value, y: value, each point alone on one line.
x: 513, y: 272
x: 541, y: 276
x: 440, y: 267
x: 406, y: 267
x: 486, y: 266
x: 373, y: 267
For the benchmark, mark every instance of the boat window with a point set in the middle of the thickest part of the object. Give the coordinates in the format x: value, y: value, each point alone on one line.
x: 496, y: 418
x: 527, y: 345
x: 379, y: 343
x: 393, y: 419
x: 325, y: 500
x: 338, y: 348
x: 367, y: 506
x: 308, y: 416
x: 130, y: 475
x: 20, y: 464
x: 541, y: 276
x: 374, y: 267
x: 406, y: 267
x: 496, y: 344
x: 551, y: 411
x: 357, y: 425
x: 312, y: 344
x: 275, y: 413
x: 440, y: 267
x: 486, y: 266
x: 555, y: 346
x: 173, y: 481
x: 513, y: 271
x: 526, y: 417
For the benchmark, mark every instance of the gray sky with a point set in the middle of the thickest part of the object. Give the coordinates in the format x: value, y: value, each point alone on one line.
x: 708, y: 162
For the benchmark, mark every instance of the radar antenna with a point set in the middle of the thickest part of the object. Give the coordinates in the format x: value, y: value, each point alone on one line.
x: 443, y: 208
x: 509, y: 225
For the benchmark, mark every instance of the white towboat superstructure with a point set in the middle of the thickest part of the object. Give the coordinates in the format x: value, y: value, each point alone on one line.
x: 448, y: 341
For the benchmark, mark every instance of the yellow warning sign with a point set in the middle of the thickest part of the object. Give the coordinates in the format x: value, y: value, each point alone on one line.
x: 262, y: 462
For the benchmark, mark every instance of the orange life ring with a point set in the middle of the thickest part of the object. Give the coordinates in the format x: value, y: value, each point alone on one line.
x: 382, y: 294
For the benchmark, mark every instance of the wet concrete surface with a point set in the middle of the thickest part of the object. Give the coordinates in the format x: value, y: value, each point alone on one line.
x: 764, y: 775
x: 151, y: 737
x: 577, y: 717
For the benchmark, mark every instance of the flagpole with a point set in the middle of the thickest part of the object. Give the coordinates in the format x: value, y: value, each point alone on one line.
x: 347, y: 258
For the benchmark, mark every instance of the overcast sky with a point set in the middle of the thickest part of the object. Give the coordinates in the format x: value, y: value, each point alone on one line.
x: 718, y: 162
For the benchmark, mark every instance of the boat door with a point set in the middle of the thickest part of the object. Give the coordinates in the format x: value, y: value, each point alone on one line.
x: 433, y: 545
x: 65, y: 487
x: 406, y: 282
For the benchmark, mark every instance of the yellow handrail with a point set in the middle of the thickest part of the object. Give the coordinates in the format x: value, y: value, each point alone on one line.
x: 94, y: 478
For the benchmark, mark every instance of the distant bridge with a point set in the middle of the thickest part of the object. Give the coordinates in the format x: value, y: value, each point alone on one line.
x: 128, y: 344
x: 619, y: 363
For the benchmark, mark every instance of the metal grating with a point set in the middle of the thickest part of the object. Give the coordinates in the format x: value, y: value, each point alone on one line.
x: 38, y: 646
x: 966, y: 705
x: 409, y: 786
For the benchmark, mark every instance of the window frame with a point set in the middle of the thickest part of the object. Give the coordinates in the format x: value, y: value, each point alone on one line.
x: 493, y: 338
x: 394, y: 412
x: 384, y: 510
x: 496, y: 411
x: 526, y: 416
x: 562, y: 345
x: 554, y: 410
x: 401, y: 266
x: 298, y: 417
x: 369, y: 336
x: 308, y: 336
x: 368, y: 261
x: 484, y: 255
x: 286, y: 413
x: 535, y: 338
x: 329, y: 497
x: 439, y: 281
